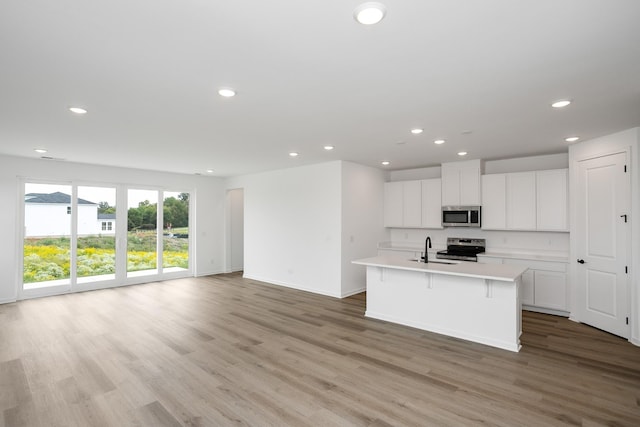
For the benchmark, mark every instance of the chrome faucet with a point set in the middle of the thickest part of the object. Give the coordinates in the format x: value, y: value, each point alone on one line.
x: 427, y: 246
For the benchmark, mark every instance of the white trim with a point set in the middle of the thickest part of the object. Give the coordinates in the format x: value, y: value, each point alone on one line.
x: 292, y: 286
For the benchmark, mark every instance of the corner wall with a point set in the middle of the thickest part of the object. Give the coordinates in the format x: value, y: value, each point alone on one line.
x: 292, y: 231
x: 362, y: 222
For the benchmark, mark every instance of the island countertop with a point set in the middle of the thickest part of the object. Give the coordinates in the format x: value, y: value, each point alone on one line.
x: 499, y: 272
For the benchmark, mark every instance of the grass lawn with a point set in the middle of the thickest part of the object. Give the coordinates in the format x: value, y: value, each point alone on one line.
x: 49, y: 258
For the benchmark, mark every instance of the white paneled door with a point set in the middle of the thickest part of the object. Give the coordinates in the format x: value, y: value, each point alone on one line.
x: 602, y: 228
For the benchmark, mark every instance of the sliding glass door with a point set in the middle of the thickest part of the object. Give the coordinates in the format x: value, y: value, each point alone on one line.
x: 175, y: 237
x: 142, y: 236
x: 77, y: 237
x: 96, y: 234
x: 47, y: 236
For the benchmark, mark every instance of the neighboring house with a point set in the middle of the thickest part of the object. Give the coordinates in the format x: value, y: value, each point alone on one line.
x: 50, y: 215
x: 106, y: 223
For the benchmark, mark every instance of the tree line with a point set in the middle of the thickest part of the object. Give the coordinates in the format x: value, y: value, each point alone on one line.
x: 175, y: 213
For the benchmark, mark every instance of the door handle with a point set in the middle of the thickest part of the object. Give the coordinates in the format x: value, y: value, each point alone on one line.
x: 581, y: 261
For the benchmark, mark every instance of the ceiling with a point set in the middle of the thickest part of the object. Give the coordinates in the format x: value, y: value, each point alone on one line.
x: 479, y: 74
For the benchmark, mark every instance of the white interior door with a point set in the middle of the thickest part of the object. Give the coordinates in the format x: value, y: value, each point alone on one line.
x: 602, y: 202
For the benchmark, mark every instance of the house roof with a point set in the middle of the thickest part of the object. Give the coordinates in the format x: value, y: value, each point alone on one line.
x: 106, y: 216
x: 53, y: 198
x: 479, y: 74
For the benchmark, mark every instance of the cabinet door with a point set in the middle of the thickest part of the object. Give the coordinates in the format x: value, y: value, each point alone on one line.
x: 412, y: 204
x: 527, y: 294
x: 431, y: 203
x: 450, y: 185
x: 521, y: 201
x: 550, y: 289
x: 552, y: 200
x: 393, y: 204
x: 494, y: 188
x: 470, y: 186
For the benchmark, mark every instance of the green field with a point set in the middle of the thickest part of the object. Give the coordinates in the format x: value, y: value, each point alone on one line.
x: 49, y: 258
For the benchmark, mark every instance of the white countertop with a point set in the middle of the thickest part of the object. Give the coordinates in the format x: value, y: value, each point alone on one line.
x: 528, y: 256
x: 500, y: 272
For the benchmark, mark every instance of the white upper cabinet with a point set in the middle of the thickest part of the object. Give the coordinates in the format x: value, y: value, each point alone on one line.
x: 521, y: 201
x: 494, y: 202
x: 526, y: 201
x: 431, y: 203
x: 461, y: 183
x: 552, y: 200
x: 403, y: 204
x: 413, y: 204
x: 393, y: 204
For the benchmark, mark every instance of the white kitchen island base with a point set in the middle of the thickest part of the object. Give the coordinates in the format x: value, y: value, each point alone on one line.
x: 460, y: 301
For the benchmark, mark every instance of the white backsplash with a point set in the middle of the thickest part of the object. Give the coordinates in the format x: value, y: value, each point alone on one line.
x: 497, y: 241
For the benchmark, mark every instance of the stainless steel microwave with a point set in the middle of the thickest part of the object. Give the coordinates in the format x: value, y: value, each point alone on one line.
x: 461, y: 216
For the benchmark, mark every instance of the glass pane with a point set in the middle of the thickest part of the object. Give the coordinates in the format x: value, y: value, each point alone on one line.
x: 142, y: 235
x: 96, y: 257
x: 175, y: 240
x: 47, y: 235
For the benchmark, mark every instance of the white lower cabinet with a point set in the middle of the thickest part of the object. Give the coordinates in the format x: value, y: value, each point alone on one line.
x: 550, y: 289
x: 544, y: 285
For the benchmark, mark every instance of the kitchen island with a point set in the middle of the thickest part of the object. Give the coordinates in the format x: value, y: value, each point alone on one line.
x: 473, y: 301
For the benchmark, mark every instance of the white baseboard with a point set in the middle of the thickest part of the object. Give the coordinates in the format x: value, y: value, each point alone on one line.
x: 292, y: 286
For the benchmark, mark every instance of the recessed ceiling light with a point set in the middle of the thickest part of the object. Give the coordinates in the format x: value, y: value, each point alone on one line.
x: 561, y: 103
x: 439, y: 141
x: 226, y: 92
x: 572, y: 139
x: 369, y: 13
x: 77, y: 110
x: 209, y: 170
x: 329, y: 147
x: 385, y: 163
x: 40, y: 150
x: 293, y: 154
x: 462, y: 153
x: 417, y: 131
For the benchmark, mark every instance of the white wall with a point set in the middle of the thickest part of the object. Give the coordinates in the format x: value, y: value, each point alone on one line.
x: 362, y: 222
x: 292, y: 227
x: 304, y: 225
x: 235, y: 210
x: 625, y: 140
x: 209, y: 207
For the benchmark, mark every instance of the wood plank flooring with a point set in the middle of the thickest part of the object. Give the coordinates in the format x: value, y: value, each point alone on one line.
x: 223, y: 350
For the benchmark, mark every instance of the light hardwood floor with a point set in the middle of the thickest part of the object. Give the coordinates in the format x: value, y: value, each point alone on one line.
x: 222, y: 350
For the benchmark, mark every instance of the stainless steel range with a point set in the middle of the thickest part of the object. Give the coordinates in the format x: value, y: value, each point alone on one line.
x: 462, y: 249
